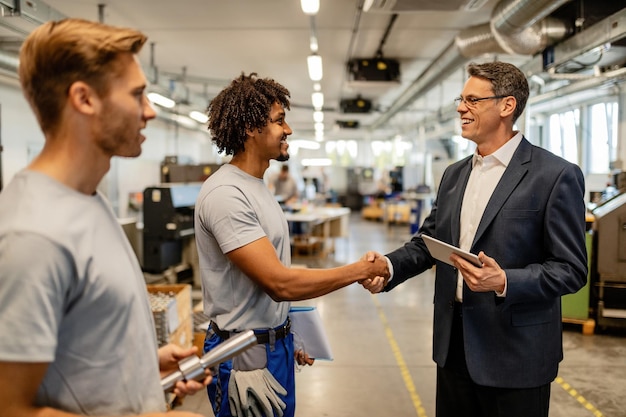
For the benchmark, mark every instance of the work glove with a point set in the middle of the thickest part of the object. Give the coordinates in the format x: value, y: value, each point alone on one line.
x: 233, y: 396
x: 258, y: 394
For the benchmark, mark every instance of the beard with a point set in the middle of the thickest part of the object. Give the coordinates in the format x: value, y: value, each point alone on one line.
x: 113, y: 134
x: 284, y: 154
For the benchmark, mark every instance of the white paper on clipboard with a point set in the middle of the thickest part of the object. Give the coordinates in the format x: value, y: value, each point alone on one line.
x: 308, y: 332
x: 442, y: 251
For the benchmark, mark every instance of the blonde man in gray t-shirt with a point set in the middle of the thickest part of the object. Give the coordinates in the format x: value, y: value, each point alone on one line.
x: 78, y: 336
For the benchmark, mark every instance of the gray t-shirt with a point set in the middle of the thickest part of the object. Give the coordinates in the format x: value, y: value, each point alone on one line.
x: 234, y: 209
x: 72, y: 294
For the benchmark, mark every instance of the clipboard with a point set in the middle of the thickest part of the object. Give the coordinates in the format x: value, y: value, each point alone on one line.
x: 308, y: 332
x: 442, y: 251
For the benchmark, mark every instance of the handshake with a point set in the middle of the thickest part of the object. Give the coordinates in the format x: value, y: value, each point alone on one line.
x: 378, y: 275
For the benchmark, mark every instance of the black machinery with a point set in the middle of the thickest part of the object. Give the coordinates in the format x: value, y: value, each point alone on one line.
x: 168, y: 212
x: 173, y: 172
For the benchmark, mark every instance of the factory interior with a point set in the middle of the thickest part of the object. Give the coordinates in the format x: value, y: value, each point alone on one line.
x: 372, y: 137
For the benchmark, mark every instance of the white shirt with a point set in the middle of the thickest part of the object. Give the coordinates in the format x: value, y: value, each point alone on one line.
x: 486, y: 173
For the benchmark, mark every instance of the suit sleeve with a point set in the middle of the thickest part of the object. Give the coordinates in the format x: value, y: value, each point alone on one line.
x: 413, y: 257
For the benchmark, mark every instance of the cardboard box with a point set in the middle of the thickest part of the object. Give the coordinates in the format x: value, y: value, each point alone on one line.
x: 171, y: 308
x: 183, y: 335
x: 198, y: 341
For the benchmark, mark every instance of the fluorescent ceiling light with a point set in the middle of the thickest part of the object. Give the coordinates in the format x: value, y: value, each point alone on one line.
x: 184, y: 121
x: 318, y: 100
x: 318, y: 116
x: 310, y: 7
x: 316, y: 162
x: 317, y: 86
x: 319, y: 127
x: 199, y: 116
x: 314, y: 62
x: 162, y: 101
x: 313, y: 44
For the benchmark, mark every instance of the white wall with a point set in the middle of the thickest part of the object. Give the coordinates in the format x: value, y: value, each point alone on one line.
x: 19, y: 130
x: 22, y: 139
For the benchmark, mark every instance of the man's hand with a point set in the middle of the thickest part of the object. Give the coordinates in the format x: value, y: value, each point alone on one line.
x: 377, y: 283
x: 488, y: 278
x: 169, y: 356
x: 302, y: 358
x: 374, y: 285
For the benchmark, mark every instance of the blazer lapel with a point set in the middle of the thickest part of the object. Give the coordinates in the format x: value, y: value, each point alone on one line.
x: 511, y: 177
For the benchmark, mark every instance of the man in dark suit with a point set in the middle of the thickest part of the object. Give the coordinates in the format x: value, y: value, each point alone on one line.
x: 497, y: 328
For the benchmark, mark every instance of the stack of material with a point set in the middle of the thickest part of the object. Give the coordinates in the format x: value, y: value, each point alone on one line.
x: 171, y: 308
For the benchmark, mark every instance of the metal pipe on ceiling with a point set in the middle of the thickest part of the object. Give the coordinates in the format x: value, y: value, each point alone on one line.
x: 509, y: 17
x: 592, y: 83
x: 9, y: 61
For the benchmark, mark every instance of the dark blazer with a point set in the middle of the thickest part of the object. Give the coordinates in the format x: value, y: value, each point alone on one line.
x: 534, y: 227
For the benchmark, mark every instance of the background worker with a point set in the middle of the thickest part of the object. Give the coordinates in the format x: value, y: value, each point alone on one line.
x: 244, y: 248
x: 497, y: 334
x: 285, y: 186
x: 78, y: 334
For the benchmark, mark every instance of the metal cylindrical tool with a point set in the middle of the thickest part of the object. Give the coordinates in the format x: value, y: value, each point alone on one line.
x: 192, y: 367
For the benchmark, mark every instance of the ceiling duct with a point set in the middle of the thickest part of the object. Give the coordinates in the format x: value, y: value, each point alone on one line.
x: 20, y: 17
x: 399, y: 6
x: 516, y: 27
x: 521, y: 27
x: 477, y: 40
x: 510, y: 18
x: 481, y: 39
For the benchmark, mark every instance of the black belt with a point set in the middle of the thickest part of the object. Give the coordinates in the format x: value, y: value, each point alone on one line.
x: 262, y: 336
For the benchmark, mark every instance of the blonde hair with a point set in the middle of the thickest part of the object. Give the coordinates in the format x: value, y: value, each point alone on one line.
x: 57, y: 54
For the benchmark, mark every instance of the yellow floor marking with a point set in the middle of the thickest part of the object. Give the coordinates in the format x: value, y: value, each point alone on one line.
x: 410, y: 386
x: 582, y: 400
x: 404, y: 370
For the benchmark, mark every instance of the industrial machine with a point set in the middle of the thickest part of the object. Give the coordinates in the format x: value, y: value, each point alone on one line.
x: 609, y: 261
x: 168, y: 212
x: 173, y: 171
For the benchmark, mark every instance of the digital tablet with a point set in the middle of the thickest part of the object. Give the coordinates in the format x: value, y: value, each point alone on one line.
x: 442, y: 251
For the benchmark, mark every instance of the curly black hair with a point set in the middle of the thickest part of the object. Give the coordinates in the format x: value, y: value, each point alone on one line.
x: 245, y: 104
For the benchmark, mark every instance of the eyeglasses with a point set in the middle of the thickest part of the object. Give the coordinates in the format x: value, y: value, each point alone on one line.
x: 472, y: 101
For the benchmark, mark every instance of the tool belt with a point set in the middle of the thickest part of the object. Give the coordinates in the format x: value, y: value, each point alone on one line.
x: 263, y: 336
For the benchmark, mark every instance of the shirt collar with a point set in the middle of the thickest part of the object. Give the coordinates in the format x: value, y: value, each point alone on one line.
x: 504, y: 154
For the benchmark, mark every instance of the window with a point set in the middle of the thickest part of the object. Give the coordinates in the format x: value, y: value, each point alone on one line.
x: 602, y: 144
x: 563, y: 135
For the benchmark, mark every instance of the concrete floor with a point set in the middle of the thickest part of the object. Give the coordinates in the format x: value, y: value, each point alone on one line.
x: 382, y: 349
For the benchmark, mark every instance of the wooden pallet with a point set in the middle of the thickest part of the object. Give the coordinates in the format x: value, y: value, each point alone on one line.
x: 588, y: 325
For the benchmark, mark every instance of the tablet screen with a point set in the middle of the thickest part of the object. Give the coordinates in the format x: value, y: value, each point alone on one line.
x: 442, y: 251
